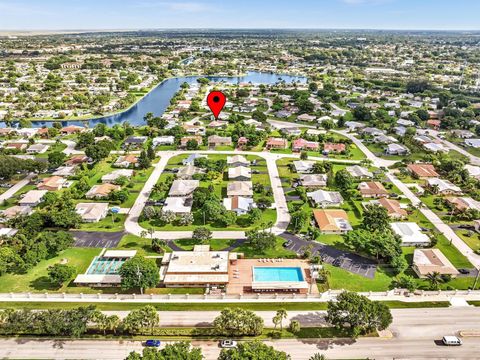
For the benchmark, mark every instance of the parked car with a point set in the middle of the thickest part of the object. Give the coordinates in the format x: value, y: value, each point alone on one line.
x: 451, y: 341
x: 228, y: 344
x: 152, y: 343
x: 464, y: 271
x: 287, y: 243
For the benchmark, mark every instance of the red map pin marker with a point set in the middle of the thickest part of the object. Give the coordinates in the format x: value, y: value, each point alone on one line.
x: 216, y: 101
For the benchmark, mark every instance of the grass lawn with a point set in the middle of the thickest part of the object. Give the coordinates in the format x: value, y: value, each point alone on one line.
x: 106, y: 224
x: 142, y: 245
x: 36, y: 279
x: 277, y: 252
x: 257, y: 306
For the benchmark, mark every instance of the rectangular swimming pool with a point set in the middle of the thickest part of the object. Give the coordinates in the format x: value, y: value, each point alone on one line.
x: 105, y: 266
x: 277, y: 274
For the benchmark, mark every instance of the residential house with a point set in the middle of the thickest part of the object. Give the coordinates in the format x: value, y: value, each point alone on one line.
x: 178, y: 204
x: 14, y: 211
x: 359, y: 172
x: 240, y: 188
x: 422, y: 171
x: 52, y: 183
x: 187, y: 172
x: 410, y: 234
x: 303, y: 166
x: 116, y: 174
x: 353, y: 125
x: 462, y: 204
x: 276, y: 143
x: 64, y: 171
x: 7, y: 233
x: 101, y: 191
x: 384, y: 139
x: 443, y: 187
x: 163, y: 140
x: 135, y: 141
x: 20, y: 146
x: 332, y: 221
x: 372, y: 189
x: 126, y: 161
x: 435, y: 147
x: 393, y: 207
x: 76, y: 160
x: 32, y: 198
x: 291, y: 131
x: 183, y: 188
x: 240, y: 173
x: 429, y: 261
x: 184, y: 140
x: 215, y: 140
x: 334, y: 147
x: 72, y: 129
x: 239, y: 204
x: 473, y: 171
x: 37, y: 149
x: 302, y: 144
x: 313, y: 180
x: 324, y: 198
x: 396, y: 149
x: 463, y: 134
x: 475, y: 143
x: 306, y: 118
x: 92, y: 212
x: 237, y: 160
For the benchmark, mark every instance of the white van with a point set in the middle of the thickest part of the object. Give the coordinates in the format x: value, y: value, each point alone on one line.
x: 451, y: 341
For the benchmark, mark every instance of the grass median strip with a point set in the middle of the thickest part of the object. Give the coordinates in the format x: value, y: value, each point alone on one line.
x: 289, y: 306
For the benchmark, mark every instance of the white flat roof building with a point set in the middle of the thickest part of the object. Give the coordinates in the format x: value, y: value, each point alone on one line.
x: 195, y: 268
x: 410, y: 233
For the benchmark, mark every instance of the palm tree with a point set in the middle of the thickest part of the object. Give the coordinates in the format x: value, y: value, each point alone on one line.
x: 281, y: 314
x: 318, y: 356
x: 111, y: 323
x: 435, y: 279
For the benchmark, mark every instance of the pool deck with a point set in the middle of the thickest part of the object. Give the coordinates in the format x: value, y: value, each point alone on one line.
x: 241, y: 281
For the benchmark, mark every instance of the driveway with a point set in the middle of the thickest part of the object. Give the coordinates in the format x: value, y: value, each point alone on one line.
x: 348, y: 261
x: 97, y: 239
x: 13, y: 190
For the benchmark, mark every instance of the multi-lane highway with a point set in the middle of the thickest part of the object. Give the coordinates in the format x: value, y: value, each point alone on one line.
x: 416, y: 335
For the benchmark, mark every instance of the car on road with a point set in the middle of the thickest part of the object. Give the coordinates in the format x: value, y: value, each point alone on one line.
x: 228, y: 344
x: 152, y: 343
x: 451, y: 341
x: 464, y: 271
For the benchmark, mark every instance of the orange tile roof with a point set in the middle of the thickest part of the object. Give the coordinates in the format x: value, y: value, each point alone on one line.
x: 326, y: 218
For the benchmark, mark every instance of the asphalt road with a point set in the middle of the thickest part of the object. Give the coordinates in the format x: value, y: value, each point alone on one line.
x: 416, y: 335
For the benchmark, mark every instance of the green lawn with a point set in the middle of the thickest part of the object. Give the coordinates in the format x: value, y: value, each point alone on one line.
x: 142, y: 245
x: 257, y: 306
x: 36, y: 279
x: 110, y: 224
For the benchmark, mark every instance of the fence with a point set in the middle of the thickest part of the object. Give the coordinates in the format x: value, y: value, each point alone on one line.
x: 392, y: 295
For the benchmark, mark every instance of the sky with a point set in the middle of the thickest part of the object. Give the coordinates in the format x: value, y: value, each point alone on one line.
x: 313, y: 14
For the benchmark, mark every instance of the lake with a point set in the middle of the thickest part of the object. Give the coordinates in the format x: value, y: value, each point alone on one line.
x: 158, y: 99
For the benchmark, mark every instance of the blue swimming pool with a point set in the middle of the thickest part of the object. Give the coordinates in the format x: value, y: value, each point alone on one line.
x: 277, y: 274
